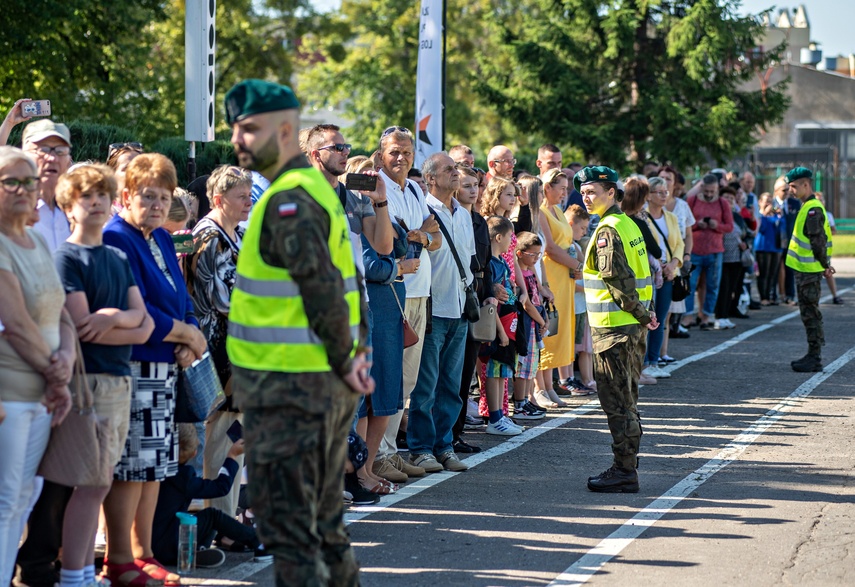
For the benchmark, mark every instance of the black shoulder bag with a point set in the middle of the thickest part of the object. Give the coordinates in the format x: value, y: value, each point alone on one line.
x: 680, y: 290
x: 471, y: 307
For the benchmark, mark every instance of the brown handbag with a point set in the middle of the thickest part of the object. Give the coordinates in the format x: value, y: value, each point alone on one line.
x: 78, y: 452
x: 411, y: 337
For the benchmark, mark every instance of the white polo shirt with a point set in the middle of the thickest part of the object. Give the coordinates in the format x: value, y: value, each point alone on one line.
x: 409, y: 205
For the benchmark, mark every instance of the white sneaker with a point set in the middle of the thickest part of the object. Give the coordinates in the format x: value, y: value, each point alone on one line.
x: 730, y: 324
x: 510, y: 422
x: 655, y: 371
x: 501, y: 428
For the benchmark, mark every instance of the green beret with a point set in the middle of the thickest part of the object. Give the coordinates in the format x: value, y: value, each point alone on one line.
x: 799, y: 173
x: 255, y: 96
x: 596, y: 174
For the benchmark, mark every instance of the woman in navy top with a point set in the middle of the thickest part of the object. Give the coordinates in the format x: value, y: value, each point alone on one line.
x: 151, y: 452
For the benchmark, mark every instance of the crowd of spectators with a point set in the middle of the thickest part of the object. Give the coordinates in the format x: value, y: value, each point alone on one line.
x: 141, y: 272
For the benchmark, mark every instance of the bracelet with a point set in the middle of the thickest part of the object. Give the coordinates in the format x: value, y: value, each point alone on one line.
x: 382, y: 204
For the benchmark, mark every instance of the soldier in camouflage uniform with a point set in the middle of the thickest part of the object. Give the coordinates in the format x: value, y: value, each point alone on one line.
x: 618, y: 290
x: 809, y: 255
x: 296, y: 423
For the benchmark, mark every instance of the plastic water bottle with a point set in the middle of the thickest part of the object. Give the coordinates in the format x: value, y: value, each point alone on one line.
x: 186, y: 543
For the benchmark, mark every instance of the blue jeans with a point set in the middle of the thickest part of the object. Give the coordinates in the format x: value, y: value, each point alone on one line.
x: 435, y: 402
x: 711, y: 266
x: 661, y: 304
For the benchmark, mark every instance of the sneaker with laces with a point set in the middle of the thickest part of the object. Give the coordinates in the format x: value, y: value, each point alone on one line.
x: 614, y: 480
x: 503, y: 428
x: 210, y: 558
x: 581, y: 390
x: 656, y: 372
x: 566, y: 389
x: 510, y: 422
x: 262, y: 556
x: 384, y: 468
x: 535, y: 406
x: 427, y: 462
x: 403, y: 466
x: 473, y: 423
x: 450, y: 461
x: 526, y: 413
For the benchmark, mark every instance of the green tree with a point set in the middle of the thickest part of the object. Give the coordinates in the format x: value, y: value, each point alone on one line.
x: 632, y: 79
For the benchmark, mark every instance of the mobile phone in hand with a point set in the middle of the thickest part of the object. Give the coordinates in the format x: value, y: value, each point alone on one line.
x: 35, y: 108
x: 183, y: 243
x: 361, y: 182
x: 235, y: 431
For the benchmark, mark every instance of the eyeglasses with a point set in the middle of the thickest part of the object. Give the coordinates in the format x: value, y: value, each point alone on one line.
x: 138, y: 147
x: 58, y: 151
x: 508, y: 161
x: 235, y: 171
x: 534, y: 256
x: 337, y: 147
x: 392, y: 129
x: 11, y: 184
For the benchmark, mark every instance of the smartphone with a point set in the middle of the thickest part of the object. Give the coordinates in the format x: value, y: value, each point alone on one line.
x: 183, y: 243
x: 361, y: 182
x: 235, y: 431
x: 707, y: 219
x: 35, y: 108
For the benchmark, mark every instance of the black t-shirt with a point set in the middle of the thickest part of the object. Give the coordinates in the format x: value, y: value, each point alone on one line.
x: 103, y: 274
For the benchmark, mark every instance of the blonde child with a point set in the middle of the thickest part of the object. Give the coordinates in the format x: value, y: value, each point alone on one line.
x: 499, y: 367
x: 579, y: 219
x: 529, y: 250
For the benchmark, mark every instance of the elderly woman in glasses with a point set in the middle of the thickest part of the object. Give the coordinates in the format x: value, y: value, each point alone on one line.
x: 210, y: 273
x: 36, y: 350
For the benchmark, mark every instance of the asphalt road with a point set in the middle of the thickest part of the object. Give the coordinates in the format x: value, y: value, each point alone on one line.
x: 747, y: 478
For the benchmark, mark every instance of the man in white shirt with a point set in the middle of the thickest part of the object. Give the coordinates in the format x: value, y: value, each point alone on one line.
x: 407, y: 205
x: 49, y: 143
x: 435, y: 402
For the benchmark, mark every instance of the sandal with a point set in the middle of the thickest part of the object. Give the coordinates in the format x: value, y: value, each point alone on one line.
x: 555, y: 399
x: 115, y: 572
x: 158, y: 571
x: 379, y: 489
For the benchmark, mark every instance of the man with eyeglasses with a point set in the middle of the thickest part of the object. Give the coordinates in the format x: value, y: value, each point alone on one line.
x: 368, y: 213
x: 407, y: 205
x: 49, y: 143
x: 500, y: 162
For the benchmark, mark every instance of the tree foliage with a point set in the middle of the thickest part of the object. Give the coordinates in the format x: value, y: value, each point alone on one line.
x: 632, y: 79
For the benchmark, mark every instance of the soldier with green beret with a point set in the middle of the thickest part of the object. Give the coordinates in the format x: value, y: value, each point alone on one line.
x: 295, y: 325
x: 618, y: 294
x: 809, y: 255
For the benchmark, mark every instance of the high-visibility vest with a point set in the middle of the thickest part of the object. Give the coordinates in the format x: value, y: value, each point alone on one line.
x: 799, y: 254
x: 268, y: 326
x: 603, y: 311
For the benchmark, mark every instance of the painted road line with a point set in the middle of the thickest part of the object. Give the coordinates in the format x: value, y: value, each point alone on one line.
x: 583, y: 569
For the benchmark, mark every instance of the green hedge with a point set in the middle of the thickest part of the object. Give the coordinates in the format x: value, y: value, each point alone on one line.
x: 91, y: 142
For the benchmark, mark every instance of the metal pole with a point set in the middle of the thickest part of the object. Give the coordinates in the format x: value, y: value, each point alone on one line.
x: 191, y: 162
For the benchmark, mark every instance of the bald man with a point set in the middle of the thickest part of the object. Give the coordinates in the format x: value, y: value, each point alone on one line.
x: 500, y: 161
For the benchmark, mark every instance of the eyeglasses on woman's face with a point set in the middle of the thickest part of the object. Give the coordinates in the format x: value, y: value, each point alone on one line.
x: 12, y: 184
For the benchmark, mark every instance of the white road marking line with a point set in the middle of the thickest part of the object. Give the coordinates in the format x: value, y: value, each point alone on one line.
x: 356, y: 513
x: 583, y: 569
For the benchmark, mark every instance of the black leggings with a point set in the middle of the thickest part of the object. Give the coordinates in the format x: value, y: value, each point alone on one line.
x: 730, y: 288
x: 767, y: 277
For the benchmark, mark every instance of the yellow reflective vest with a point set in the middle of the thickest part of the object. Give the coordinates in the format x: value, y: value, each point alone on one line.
x: 799, y: 254
x: 603, y: 311
x: 268, y: 326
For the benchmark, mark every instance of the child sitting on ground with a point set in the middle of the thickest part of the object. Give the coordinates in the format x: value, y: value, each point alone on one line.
x: 175, y: 496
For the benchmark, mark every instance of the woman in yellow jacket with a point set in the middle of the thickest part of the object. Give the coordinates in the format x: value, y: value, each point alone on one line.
x: 666, y: 228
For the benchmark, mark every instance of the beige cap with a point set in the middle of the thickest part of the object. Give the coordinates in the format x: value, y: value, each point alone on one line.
x: 39, y: 130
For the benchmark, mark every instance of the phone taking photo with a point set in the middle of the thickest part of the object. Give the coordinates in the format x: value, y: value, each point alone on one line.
x: 35, y: 108
x: 360, y: 182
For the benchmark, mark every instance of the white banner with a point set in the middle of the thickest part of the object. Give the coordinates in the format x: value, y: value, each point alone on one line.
x: 429, y: 82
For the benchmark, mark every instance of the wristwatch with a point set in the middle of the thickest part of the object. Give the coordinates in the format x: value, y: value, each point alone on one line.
x: 429, y: 239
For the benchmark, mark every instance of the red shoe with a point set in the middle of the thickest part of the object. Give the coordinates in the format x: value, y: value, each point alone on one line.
x: 114, y: 572
x: 158, y: 571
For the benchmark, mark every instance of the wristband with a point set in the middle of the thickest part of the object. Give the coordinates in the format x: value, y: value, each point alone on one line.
x: 382, y: 204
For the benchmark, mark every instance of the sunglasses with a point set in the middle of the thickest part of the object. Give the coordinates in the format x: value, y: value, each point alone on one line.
x: 392, y: 129
x: 337, y: 147
x: 138, y: 147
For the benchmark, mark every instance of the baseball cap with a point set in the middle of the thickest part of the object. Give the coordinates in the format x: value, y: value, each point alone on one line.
x: 39, y: 130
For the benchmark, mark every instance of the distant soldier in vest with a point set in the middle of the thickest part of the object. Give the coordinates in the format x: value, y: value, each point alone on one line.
x: 809, y: 255
x: 618, y: 293
x: 295, y: 323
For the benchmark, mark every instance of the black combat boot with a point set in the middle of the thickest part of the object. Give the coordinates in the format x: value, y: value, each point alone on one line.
x: 615, y: 480
x: 807, y: 364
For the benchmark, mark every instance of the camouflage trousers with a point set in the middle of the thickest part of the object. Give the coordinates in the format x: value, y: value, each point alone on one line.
x: 616, y: 371
x: 295, y: 462
x: 808, y: 287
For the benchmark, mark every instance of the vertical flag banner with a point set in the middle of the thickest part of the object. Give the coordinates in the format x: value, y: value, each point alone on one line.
x: 429, y: 82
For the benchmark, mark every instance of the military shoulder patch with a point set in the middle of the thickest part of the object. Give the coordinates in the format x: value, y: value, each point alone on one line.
x: 812, y: 212
x: 286, y: 210
x: 602, y: 241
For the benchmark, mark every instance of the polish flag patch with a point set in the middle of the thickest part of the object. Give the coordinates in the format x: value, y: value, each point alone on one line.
x: 286, y: 210
x: 601, y: 242
x: 812, y: 212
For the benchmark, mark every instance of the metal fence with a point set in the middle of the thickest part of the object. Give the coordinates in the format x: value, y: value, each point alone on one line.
x: 833, y: 177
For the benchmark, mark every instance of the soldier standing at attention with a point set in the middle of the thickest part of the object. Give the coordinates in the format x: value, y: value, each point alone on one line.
x: 809, y: 255
x: 618, y: 293
x: 295, y: 323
